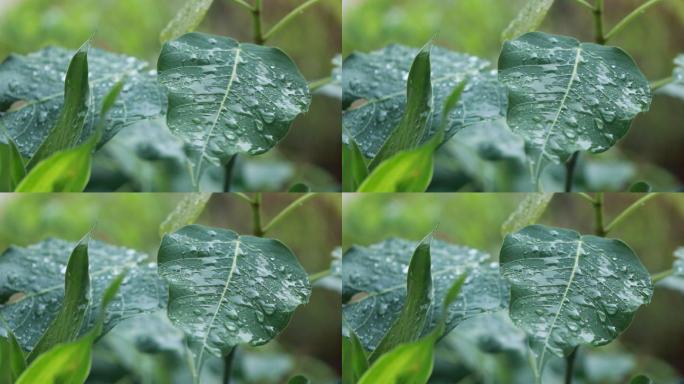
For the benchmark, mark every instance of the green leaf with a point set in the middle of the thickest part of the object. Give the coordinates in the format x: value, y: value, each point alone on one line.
x: 69, y: 126
x: 374, y: 94
x: 354, y: 167
x: 408, y: 363
x: 407, y: 171
x: 299, y: 379
x: 29, y: 106
x: 566, y: 96
x: 354, y: 359
x: 186, y: 212
x: 226, y: 289
x: 411, y: 321
x: 528, y: 19
x: 227, y: 97
x: 569, y: 289
x: 12, y: 167
x: 412, y: 128
x: 70, y: 362
x: 12, y: 359
x: 67, y: 323
x: 299, y: 188
x: 63, y: 171
x: 374, y: 286
x: 530, y: 209
x: 641, y: 187
x: 641, y: 379
x: 32, y: 286
x: 186, y: 20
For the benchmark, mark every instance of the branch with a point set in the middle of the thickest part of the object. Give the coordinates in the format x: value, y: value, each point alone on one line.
x: 289, y: 17
x: 244, y: 4
x: 631, y: 209
x: 629, y: 18
x: 295, y: 204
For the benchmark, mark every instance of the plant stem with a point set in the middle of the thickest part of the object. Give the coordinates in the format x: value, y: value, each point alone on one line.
x: 629, y: 18
x: 228, y: 365
x: 295, y: 204
x: 319, y: 275
x: 569, y: 365
x: 244, y: 4
x: 570, y: 171
x: 586, y: 197
x: 599, y: 37
x: 257, y: 21
x: 656, y: 277
x: 661, y: 83
x: 228, y: 172
x: 599, y: 229
x: 289, y: 17
x: 631, y: 209
x: 257, y: 230
x: 243, y: 197
x: 316, y: 84
x: 586, y: 4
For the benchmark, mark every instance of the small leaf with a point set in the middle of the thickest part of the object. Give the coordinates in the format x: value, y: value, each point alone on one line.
x: 567, y: 96
x: 569, y: 289
x: 12, y: 167
x: 186, y: 212
x: 354, y: 359
x: 299, y: 379
x: 186, y: 20
x: 530, y: 209
x: 414, y: 125
x: 409, y: 325
x: 226, y: 289
x: 354, y: 167
x: 528, y: 19
x: 374, y: 286
x: 641, y: 379
x: 407, y: 171
x: 641, y: 187
x: 408, y: 363
x: 227, y: 97
x: 299, y: 188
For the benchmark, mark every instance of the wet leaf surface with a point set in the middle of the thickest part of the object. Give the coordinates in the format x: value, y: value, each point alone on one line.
x: 32, y: 94
x: 569, y: 289
x: 226, y: 289
x: 567, y: 96
x: 374, y: 286
x: 227, y: 97
x: 374, y: 93
x: 32, y: 279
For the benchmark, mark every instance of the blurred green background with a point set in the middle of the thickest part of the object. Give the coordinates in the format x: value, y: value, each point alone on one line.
x: 475, y: 26
x: 311, y: 342
x: 311, y: 151
x: 475, y: 220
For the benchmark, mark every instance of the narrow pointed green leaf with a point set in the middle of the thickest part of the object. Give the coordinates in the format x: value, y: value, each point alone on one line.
x: 414, y: 125
x: 569, y: 289
x: 12, y: 359
x: 530, y: 209
x: 406, y: 171
x: 186, y: 20
x: 64, y: 171
x: 12, y: 167
x: 408, y: 363
x: 227, y: 97
x: 186, y: 212
x: 528, y: 19
x: 411, y: 321
x: 567, y: 96
x: 354, y: 359
x: 69, y: 126
x: 354, y: 167
x: 374, y: 286
x: 226, y: 289
x: 67, y: 324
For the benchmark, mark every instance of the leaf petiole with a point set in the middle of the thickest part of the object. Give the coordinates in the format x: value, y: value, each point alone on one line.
x: 319, y: 275
x: 656, y: 277
x: 244, y: 4
x: 320, y: 83
x: 295, y: 204
x: 289, y: 17
x: 622, y: 216
x: 629, y: 18
x: 661, y: 83
x: 586, y: 4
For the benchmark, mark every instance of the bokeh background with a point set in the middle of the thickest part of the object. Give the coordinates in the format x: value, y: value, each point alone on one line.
x: 310, y: 153
x: 310, y: 344
x: 474, y: 26
x: 655, y: 340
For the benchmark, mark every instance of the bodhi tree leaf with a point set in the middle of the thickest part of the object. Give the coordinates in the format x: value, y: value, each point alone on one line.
x: 530, y: 209
x: 566, y: 96
x: 569, y: 289
x: 227, y: 97
x: 374, y: 286
x: 528, y: 19
x: 32, y: 285
x: 374, y: 93
x: 226, y: 289
x: 32, y: 94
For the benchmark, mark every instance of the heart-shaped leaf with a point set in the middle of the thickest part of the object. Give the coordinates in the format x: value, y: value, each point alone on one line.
x: 374, y: 286
x: 567, y: 96
x: 569, y: 289
x: 32, y: 286
x: 226, y: 289
x: 374, y: 93
x: 227, y: 97
x: 32, y: 94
